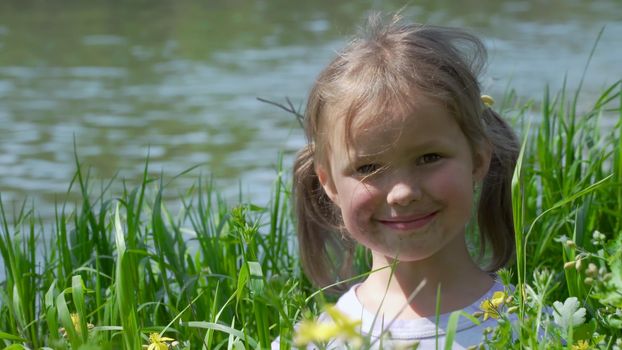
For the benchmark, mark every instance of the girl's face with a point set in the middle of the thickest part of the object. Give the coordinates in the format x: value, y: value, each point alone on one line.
x: 405, y: 186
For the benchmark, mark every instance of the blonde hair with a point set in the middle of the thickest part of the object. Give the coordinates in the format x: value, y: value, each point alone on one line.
x: 381, y: 70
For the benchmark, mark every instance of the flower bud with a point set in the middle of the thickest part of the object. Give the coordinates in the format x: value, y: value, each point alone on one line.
x: 569, y: 265
x: 591, y: 270
x: 571, y: 244
x: 588, y: 280
x: 578, y: 264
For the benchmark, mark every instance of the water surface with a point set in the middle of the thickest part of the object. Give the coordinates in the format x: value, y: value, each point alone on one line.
x: 179, y: 80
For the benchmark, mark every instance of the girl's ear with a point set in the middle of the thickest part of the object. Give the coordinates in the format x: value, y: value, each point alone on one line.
x: 327, y: 183
x: 481, y: 161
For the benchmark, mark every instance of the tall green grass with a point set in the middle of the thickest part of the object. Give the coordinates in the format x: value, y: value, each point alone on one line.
x: 208, y: 275
x: 568, y: 207
x: 113, y: 269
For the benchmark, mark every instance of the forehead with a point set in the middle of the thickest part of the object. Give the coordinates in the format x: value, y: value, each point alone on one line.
x: 357, y: 124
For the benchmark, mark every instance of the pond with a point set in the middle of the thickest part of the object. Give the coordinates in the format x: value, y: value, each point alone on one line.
x: 116, y: 81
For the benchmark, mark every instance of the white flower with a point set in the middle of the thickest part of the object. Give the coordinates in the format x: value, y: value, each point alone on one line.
x: 568, y: 314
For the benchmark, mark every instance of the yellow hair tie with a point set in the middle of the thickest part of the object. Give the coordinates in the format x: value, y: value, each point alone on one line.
x: 487, y: 100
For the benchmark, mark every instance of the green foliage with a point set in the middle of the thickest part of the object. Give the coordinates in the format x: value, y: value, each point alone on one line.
x: 566, y: 191
x: 114, y: 271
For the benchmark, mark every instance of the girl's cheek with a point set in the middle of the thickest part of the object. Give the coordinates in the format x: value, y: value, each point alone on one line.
x: 454, y: 184
x: 364, y: 196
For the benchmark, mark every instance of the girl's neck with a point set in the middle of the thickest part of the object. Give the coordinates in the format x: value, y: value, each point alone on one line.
x: 460, y: 280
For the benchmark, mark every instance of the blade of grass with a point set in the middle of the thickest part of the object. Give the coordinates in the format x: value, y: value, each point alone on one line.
x: 124, y: 290
x: 221, y: 328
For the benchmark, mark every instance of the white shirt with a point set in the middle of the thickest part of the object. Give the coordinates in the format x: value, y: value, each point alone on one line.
x: 404, y: 333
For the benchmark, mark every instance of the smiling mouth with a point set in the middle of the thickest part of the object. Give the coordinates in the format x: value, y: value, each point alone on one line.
x: 409, y: 223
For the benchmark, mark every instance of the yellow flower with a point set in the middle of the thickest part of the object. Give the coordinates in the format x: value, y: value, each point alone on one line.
x: 75, y: 319
x: 581, y: 345
x: 312, y: 331
x: 490, y: 307
x: 158, y: 342
x: 318, y: 332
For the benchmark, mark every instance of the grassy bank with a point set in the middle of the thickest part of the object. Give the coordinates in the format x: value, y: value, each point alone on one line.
x: 120, y: 270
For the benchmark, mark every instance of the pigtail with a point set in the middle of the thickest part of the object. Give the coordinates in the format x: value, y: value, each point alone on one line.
x: 494, y: 215
x: 325, y: 253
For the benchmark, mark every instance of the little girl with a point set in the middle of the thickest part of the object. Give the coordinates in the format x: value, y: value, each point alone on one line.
x: 401, y: 148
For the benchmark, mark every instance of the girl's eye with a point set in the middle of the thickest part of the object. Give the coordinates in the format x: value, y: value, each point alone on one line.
x: 429, y: 158
x: 367, y: 169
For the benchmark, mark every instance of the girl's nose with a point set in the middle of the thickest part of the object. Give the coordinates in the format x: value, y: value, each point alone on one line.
x: 403, y: 193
